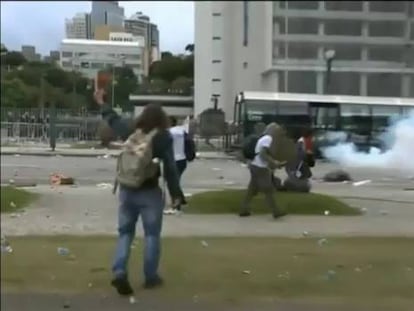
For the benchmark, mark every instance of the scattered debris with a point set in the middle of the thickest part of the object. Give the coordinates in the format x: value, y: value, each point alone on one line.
x: 106, y: 156
x: 60, y: 179
x: 357, y: 269
x: 243, y: 165
x: 284, y: 276
x: 5, y: 246
x: 384, y: 213
x: 330, y: 275
x: 62, y: 251
x: 132, y: 300
x: 229, y: 183
x: 363, y: 210
x: 90, y: 285
x: 337, y: 176
x: 361, y: 183
x: 17, y: 155
x: 195, y: 298
x: 104, y: 185
x: 204, y: 243
x: 221, y: 177
x: 246, y: 271
x: 305, y: 233
x: 66, y: 305
x: 11, y: 181
x: 322, y: 242
x: 327, y: 213
x: 14, y: 215
x: 216, y: 169
x: 187, y: 195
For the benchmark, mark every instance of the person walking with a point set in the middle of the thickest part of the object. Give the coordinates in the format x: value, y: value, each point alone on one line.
x: 306, y: 159
x: 147, y: 199
x: 179, y: 136
x: 261, y: 172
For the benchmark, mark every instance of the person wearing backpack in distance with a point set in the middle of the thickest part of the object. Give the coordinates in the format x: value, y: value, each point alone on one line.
x: 261, y: 172
x: 140, y: 194
x: 184, y: 151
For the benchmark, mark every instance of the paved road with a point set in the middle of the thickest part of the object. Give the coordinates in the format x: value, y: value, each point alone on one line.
x: 53, y: 302
x: 206, y: 173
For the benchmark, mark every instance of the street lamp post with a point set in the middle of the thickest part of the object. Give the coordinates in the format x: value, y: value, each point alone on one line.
x: 329, y: 57
x: 122, y: 62
x: 75, y: 61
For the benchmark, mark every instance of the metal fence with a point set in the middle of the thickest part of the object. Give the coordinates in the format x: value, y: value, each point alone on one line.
x: 22, y: 132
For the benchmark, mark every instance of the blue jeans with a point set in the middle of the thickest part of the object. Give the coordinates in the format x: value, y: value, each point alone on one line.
x: 149, y: 204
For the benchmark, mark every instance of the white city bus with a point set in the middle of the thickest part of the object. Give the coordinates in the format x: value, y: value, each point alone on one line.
x: 361, y: 117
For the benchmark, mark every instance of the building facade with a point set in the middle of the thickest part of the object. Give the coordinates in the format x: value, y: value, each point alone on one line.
x: 106, y: 13
x: 91, y: 56
x: 78, y: 27
x: 102, y: 31
x: 29, y: 52
x: 140, y: 25
x: 286, y: 46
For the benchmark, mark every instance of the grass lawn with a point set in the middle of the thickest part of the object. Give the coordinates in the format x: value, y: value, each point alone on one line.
x: 229, y: 201
x: 13, y: 199
x: 363, y: 270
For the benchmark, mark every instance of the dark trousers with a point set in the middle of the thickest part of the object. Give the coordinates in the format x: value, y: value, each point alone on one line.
x: 261, y: 180
x: 181, y: 166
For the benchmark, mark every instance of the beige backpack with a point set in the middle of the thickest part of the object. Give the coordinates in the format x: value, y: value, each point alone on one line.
x: 135, y: 163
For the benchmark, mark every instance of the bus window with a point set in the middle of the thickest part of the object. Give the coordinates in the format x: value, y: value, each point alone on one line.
x: 257, y: 111
x: 294, y: 116
x: 324, y: 116
x: 407, y: 111
x: 382, y: 117
x: 356, y: 120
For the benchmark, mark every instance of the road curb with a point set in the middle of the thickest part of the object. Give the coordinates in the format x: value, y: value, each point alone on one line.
x: 95, y: 155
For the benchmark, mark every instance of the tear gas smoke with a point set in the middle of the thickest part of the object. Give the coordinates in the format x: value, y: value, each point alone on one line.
x: 399, y: 154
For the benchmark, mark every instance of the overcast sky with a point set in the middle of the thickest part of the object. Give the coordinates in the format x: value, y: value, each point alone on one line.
x: 42, y: 23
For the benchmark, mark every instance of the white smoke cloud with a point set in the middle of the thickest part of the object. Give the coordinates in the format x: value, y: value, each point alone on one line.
x: 399, y: 140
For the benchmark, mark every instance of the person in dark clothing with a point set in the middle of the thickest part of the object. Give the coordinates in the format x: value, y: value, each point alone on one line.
x: 146, y: 200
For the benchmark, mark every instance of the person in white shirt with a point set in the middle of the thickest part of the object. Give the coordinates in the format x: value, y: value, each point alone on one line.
x: 178, y: 133
x: 261, y: 172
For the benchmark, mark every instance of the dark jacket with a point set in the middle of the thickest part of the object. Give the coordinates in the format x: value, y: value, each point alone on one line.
x: 162, y: 148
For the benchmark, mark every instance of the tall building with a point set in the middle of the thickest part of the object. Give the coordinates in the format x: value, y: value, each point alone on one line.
x: 140, y: 25
x: 29, y: 52
x: 286, y: 46
x: 106, y: 13
x: 102, y: 32
x: 79, y: 26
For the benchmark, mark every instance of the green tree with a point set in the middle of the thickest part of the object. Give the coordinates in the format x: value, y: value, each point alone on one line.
x: 167, y: 69
x: 126, y: 83
x: 12, y: 59
x: 13, y: 93
x: 189, y: 48
x: 181, y: 85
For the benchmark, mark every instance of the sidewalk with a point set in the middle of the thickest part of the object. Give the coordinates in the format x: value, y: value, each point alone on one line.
x: 91, y: 211
x: 72, y: 152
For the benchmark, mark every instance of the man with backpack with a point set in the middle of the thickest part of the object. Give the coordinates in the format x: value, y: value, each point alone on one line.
x: 184, y: 151
x: 138, y: 172
x: 262, y: 165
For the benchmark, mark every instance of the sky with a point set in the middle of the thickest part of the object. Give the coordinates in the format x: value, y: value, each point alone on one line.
x: 42, y: 23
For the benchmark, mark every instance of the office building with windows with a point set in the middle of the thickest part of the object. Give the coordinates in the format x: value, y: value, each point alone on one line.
x: 91, y: 56
x: 318, y: 47
x: 107, y: 13
x: 78, y: 27
x: 140, y: 25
